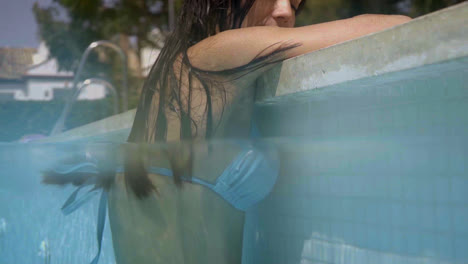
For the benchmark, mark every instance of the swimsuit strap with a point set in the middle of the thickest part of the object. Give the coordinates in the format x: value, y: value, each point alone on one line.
x: 168, y: 173
x: 101, y: 222
x: 73, y: 202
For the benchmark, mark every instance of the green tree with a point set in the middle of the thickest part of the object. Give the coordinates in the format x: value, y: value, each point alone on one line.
x: 421, y: 7
x: 69, y: 26
x: 316, y: 11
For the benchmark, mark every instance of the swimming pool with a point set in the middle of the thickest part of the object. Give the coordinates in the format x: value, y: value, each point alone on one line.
x: 376, y: 174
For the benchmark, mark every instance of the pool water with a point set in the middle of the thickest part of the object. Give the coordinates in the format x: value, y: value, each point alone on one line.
x: 372, y: 171
x: 355, y: 200
x: 34, y: 230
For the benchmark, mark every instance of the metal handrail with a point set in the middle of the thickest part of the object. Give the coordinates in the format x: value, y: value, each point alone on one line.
x: 58, y: 127
x: 108, y: 85
x: 85, y: 84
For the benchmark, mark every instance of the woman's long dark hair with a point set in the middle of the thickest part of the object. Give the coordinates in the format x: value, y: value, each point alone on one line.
x: 162, y: 90
x: 199, y: 19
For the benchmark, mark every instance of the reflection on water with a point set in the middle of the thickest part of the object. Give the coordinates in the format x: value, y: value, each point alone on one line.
x: 372, y: 200
x: 44, y: 251
x: 315, y: 250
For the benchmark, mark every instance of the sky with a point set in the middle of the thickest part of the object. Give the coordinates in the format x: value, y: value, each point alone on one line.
x: 18, y: 26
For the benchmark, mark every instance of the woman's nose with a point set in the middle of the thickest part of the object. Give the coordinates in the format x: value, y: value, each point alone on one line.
x: 283, y: 13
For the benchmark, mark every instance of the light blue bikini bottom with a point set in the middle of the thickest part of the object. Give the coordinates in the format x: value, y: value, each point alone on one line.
x: 247, y: 180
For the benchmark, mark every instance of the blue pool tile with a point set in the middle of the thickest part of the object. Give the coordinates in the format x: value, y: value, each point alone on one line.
x: 400, y: 242
x: 427, y: 220
x: 348, y: 209
x: 461, y: 249
x: 324, y: 185
x: 411, y: 188
x: 348, y: 232
x: 359, y: 186
x: 374, y: 240
x: 459, y: 192
x: 413, y: 243
x: 361, y: 236
x: 460, y: 219
x: 314, y: 187
x: 395, y: 187
x: 386, y: 239
x: 443, y: 218
x: 413, y: 216
x: 442, y: 189
x: 372, y: 212
x: 398, y: 215
x: 426, y: 189
x: 336, y: 185
x: 336, y: 231
x: 444, y: 248
x: 457, y: 160
x: 336, y: 209
x: 428, y: 245
x: 383, y: 213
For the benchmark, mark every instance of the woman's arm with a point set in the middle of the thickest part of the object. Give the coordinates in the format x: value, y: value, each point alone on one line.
x: 237, y: 47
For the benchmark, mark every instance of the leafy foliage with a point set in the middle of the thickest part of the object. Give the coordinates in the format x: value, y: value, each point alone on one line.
x: 421, y: 7
x: 86, y: 21
x: 317, y: 11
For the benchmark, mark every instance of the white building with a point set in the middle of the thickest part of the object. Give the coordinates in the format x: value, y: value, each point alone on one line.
x: 28, y: 74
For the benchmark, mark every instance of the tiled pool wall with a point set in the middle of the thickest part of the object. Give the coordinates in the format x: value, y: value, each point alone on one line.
x: 378, y: 173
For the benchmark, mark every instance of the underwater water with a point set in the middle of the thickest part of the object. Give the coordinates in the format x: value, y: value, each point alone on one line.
x: 173, y: 225
x: 32, y: 227
x: 368, y: 200
x: 355, y: 200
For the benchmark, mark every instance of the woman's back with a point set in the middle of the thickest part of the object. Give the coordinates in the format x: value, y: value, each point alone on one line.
x: 188, y: 225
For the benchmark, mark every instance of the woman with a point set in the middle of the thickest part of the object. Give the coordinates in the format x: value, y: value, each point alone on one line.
x: 202, y: 86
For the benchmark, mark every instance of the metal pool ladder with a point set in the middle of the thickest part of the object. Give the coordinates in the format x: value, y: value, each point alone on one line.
x: 76, y: 89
